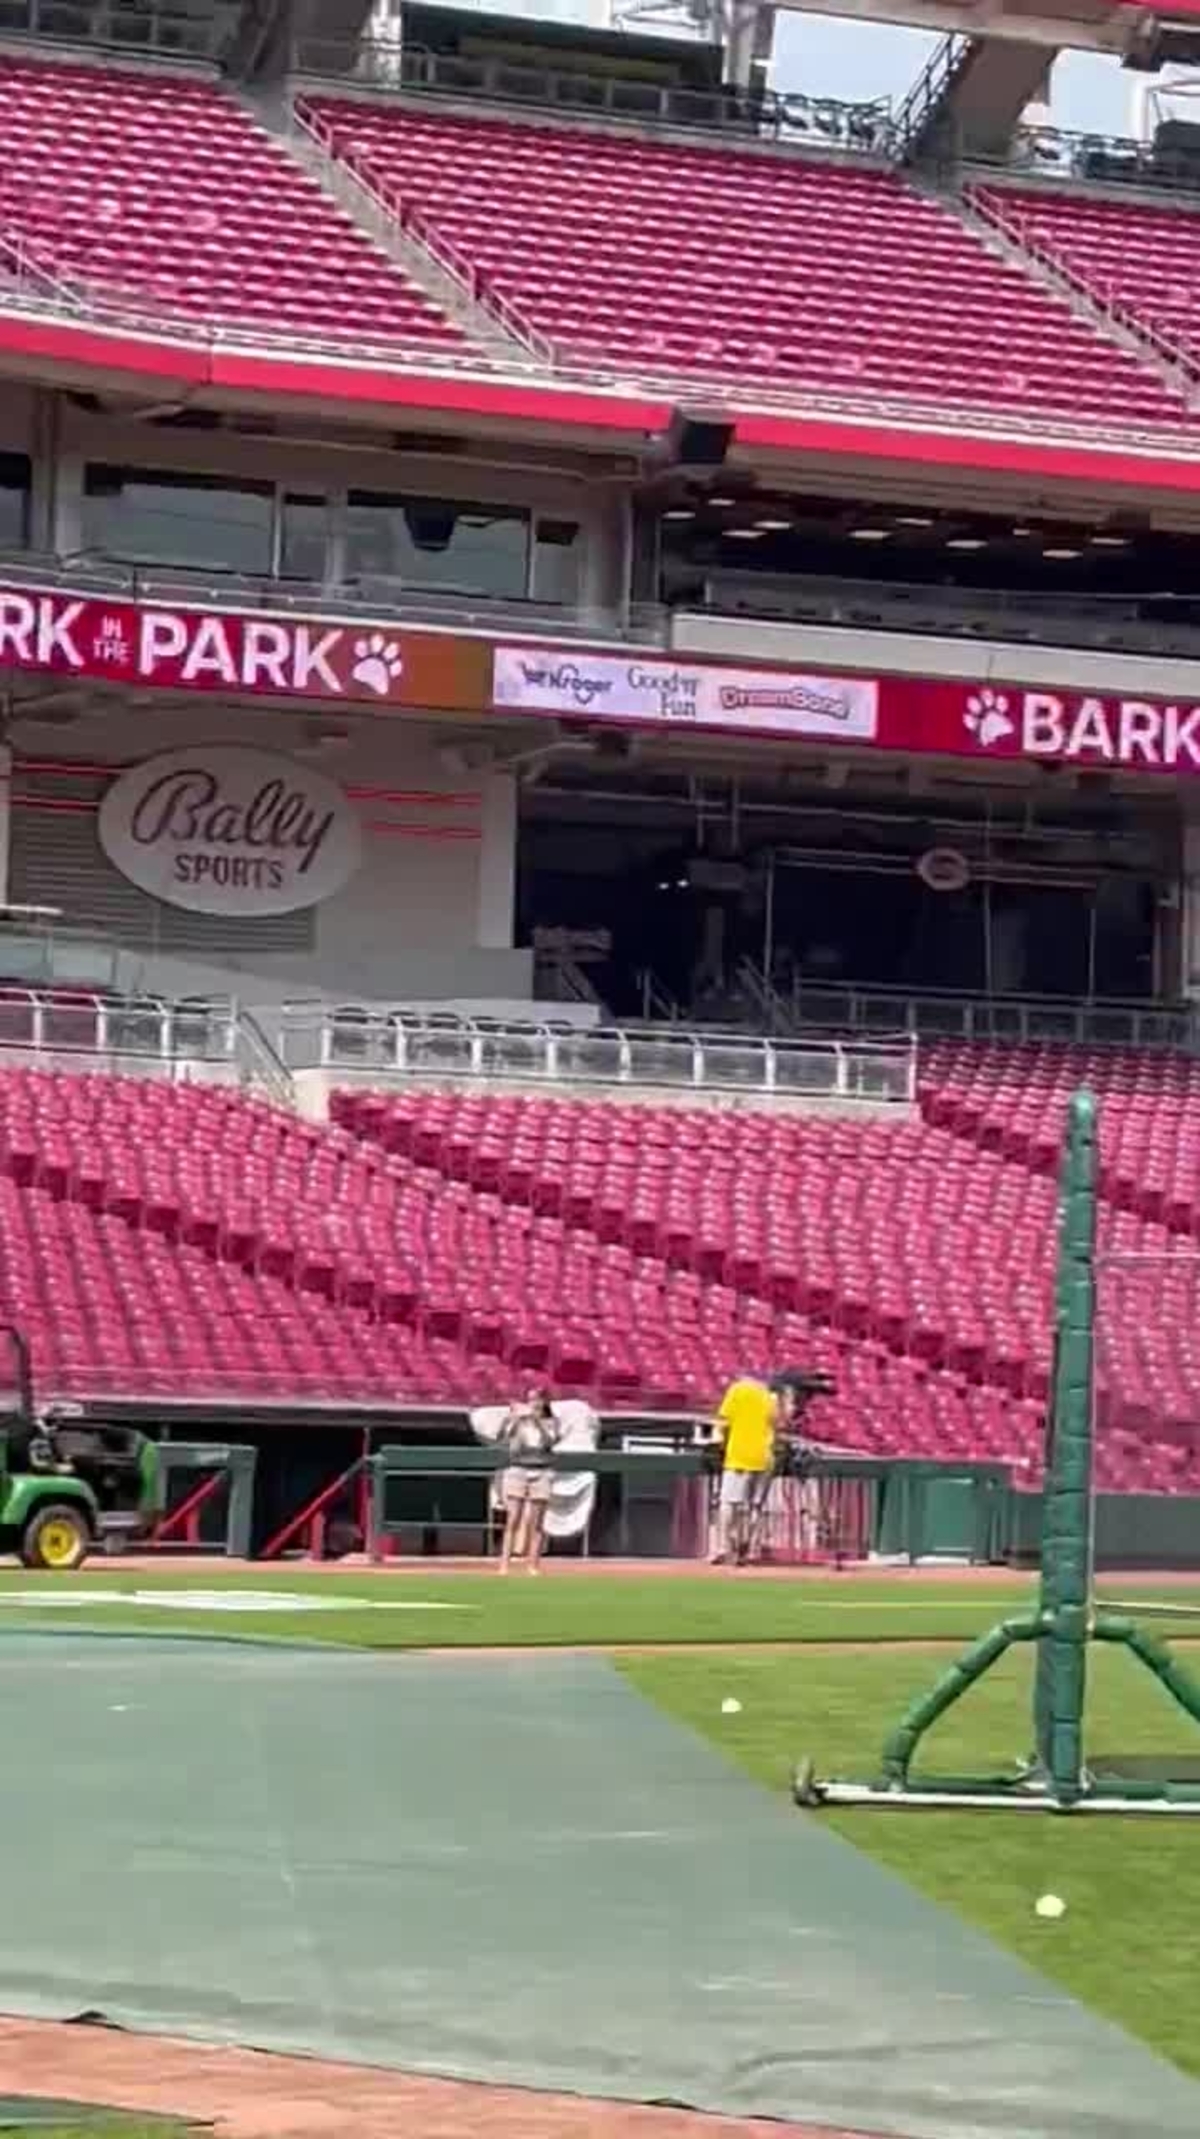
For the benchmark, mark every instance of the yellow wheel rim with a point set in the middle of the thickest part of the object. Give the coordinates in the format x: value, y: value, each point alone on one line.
x: 58, y: 1543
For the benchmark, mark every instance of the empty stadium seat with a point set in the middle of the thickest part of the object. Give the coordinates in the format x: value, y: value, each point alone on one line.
x: 1136, y: 258
x: 916, y: 1263
x: 159, y: 191
x: 763, y: 267
x: 184, y: 1239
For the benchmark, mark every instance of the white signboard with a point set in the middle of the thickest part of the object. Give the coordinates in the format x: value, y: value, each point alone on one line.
x: 226, y: 829
x: 685, y: 694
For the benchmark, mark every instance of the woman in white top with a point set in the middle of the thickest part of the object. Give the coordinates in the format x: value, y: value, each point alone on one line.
x: 530, y: 1430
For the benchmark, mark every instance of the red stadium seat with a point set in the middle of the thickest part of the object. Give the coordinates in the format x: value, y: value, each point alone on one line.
x: 769, y: 269
x: 161, y: 193
x: 1127, y: 255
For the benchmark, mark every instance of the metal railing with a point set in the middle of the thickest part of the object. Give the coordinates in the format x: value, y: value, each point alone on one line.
x: 931, y: 1015
x: 146, y: 1034
x: 33, y: 299
x: 373, y: 595
x: 944, y: 63
x: 1104, y: 298
x: 855, y: 128
x: 1053, y: 153
x: 1154, y: 623
x: 409, y: 1044
x: 154, y: 31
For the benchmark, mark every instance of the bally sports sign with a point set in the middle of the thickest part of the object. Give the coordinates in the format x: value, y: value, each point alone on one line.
x: 230, y: 830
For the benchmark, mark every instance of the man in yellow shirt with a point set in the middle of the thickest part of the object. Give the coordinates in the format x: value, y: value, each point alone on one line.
x: 748, y: 1417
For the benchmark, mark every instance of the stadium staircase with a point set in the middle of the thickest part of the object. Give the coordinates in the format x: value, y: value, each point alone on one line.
x: 1131, y: 262
x: 446, y: 279
x: 970, y: 95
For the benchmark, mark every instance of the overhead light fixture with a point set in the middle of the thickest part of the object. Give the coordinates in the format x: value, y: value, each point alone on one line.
x: 720, y: 499
x: 1109, y: 542
x: 743, y: 534
x: 1062, y: 554
x: 680, y: 512
x: 914, y: 519
x: 772, y: 527
x: 966, y: 542
x: 869, y: 534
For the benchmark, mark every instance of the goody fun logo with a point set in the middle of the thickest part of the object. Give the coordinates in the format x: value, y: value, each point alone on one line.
x: 230, y: 830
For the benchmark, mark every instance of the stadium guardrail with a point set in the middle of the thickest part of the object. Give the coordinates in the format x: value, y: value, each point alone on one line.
x: 368, y: 596
x: 860, y: 128
x: 405, y: 1044
x: 143, y: 1033
x: 154, y: 30
x: 1055, y: 153
x: 932, y: 1015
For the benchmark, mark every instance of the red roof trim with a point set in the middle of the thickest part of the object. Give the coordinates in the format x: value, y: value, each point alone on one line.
x: 190, y: 365
x: 198, y: 364
x: 1013, y: 456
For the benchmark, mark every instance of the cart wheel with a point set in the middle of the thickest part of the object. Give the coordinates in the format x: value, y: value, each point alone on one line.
x: 56, y: 1536
x: 806, y: 1790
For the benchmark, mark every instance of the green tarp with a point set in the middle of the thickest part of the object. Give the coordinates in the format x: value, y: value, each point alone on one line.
x: 504, y: 1869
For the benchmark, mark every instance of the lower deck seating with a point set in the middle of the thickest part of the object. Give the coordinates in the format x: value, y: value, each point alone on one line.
x: 184, y: 1239
x: 913, y: 1260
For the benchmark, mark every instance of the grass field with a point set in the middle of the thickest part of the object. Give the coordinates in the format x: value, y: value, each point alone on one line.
x: 1127, y: 1942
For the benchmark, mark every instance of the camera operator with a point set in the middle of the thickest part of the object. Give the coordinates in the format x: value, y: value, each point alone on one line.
x: 754, y: 1422
x: 749, y: 1418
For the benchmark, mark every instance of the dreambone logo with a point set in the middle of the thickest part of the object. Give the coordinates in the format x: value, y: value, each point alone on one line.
x: 987, y: 717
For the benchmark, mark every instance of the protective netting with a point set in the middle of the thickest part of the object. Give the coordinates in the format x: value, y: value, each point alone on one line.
x: 505, y: 1869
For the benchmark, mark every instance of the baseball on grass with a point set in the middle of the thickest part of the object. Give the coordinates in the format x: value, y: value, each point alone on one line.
x: 1051, y: 1905
x: 730, y: 1707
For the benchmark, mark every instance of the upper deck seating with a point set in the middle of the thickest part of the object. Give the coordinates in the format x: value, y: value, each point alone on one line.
x: 760, y: 266
x: 160, y: 192
x: 1131, y: 256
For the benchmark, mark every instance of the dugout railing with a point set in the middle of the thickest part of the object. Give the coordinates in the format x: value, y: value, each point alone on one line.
x: 830, y: 1510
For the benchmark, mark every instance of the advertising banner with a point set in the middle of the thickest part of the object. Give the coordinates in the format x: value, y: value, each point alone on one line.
x: 683, y: 694
x: 910, y: 714
x: 223, y: 829
x: 248, y: 653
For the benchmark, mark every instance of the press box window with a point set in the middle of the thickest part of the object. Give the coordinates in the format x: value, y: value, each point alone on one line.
x: 432, y: 542
x: 198, y: 522
x: 14, y: 501
x: 303, y: 537
x: 556, y: 548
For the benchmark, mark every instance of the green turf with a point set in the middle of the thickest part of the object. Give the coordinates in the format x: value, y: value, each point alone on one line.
x: 557, y: 1610
x: 1127, y: 1944
x: 46, y: 2119
x: 104, y: 2125
x: 560, y: 1610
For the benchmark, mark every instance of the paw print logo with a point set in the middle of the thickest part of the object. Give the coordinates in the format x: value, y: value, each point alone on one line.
x: 378, y: 663
x: 988, y: 718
